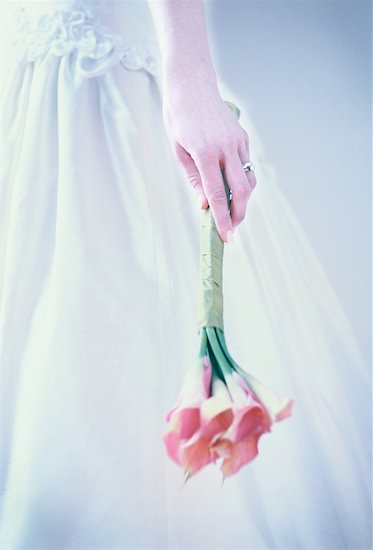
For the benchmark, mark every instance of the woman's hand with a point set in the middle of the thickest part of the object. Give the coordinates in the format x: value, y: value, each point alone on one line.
x: 205, y: 135
x: 207, y: 138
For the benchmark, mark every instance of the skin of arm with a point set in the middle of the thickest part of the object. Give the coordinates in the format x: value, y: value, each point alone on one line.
x: 205, y: 135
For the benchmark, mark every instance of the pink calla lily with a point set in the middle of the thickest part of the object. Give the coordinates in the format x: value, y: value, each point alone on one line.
x: 216, y: 415
x: 277, y: 407
x: 220, y: 416
x: 192, y: 429
x: 221, y: 413
x: 184, y: 418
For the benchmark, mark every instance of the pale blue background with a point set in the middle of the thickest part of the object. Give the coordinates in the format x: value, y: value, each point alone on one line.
x: 305, y: 68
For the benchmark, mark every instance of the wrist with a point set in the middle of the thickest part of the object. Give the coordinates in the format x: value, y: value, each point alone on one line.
x: 181, y: 78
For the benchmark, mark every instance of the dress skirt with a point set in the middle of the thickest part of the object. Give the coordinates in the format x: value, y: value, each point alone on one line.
x: 99, y: 262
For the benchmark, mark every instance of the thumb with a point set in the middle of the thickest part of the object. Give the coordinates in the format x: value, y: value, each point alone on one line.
x: 192, y: 173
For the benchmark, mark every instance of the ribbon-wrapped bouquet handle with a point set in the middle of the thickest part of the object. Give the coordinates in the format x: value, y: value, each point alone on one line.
x: 222, y: 410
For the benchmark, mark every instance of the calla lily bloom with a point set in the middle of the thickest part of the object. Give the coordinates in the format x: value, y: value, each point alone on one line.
x: 220, y: 412
x: 184, y: 418
x: 239, y: 444
x: 197, y: 418
x: 216, y: 415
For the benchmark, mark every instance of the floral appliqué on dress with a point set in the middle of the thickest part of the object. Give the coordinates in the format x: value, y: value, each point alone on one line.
x: 64, y: 31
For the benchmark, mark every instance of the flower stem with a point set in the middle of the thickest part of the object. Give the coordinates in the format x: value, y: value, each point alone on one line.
x: 217, y: 350
x: 221, y: 338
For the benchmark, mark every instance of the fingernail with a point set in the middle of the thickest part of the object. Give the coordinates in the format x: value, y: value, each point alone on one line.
x: 230, y: 238
x: 201, y: 201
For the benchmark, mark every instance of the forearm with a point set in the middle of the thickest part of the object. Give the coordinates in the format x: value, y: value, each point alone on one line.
x: 182, y: 34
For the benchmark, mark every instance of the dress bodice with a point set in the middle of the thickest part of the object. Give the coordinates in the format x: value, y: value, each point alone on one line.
x: 101, y: 33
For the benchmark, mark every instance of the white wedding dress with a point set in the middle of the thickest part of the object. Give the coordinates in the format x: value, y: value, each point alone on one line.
x: 99, y: 261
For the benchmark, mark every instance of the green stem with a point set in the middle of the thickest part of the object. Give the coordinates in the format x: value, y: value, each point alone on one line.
x: 223, y: 344
x: 218, y: 352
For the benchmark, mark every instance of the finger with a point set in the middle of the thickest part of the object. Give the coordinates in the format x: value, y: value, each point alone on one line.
x: 192, y: 173
x: 244, y: 154
x: 213, y: 185
x: 238, y: 184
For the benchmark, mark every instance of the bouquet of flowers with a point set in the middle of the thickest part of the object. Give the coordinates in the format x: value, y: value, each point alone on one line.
x: 222, y: 410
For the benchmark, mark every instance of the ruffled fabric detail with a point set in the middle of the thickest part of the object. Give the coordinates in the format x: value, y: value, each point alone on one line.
x: 79, y: 30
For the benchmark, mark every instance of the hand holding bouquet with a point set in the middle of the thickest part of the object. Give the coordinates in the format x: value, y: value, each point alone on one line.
x: 222, y: 410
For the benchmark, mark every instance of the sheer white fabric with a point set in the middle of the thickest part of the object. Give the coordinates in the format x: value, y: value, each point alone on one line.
x: 99, y: 236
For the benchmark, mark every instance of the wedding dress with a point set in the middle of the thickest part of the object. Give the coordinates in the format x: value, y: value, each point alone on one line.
x: 98, y: 315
